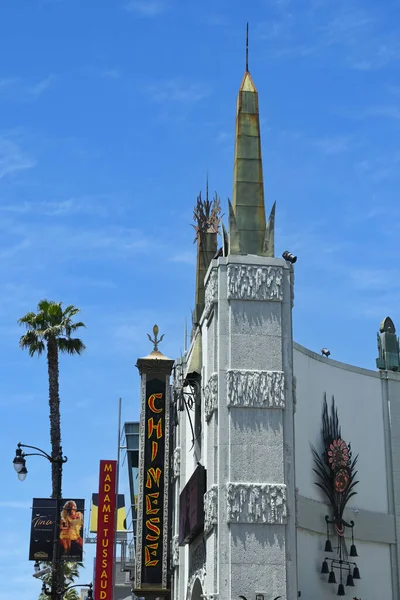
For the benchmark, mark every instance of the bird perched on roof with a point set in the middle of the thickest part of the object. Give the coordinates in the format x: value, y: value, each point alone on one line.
x: 325, y: 352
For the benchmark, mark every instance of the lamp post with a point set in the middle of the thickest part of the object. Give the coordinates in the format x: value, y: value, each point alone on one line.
x: 64, y: 590
x: 19, y: 463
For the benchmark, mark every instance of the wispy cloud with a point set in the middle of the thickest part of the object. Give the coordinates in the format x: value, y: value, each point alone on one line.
x: 12, y: 157
x: 111, y: 74
x: 380, y: 168
x: 86, y: 243
x: 38, y: 88
x: 97, y: 205
x: 357, y: 37
x: 16, y: 89
x: 388, y: 112
x: 336, y: 144
x: 328, y: 144
x: 176, y: 90
x: 223, y: 136
x: 14, y: 249
x: 346, y: 26
x: 15, y: 504
x: 373, y: 279
x: 145, y: 8
x: 187, y: 258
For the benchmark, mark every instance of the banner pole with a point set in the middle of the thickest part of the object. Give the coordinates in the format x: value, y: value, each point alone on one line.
x: 57, y: 580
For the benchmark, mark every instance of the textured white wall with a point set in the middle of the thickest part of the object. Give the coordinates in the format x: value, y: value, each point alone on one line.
x: 373, y: 562
x: 358, y: 398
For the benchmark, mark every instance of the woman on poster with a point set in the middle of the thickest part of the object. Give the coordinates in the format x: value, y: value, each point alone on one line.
x: 71, y: 524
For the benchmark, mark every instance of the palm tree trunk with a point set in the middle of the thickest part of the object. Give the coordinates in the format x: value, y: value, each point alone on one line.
x: 57, y: 580
x: 55, y: 421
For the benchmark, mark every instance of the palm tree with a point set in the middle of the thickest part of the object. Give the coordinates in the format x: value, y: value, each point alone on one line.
x: 50, y: 329
x: 71, y: 572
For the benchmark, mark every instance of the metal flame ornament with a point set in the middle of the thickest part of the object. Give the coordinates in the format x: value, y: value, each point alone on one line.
x: 335, y: 468
x: 336, y: 473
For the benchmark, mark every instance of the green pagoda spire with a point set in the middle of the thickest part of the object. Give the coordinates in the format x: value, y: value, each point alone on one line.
x: 248, y: 231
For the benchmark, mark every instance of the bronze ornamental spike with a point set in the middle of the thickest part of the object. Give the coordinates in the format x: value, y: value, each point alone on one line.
x: 156, y: 340
x: 247, y: 48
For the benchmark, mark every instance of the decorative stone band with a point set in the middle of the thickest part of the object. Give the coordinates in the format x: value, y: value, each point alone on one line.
x: 249, y: 282
x: 255, y: 389
x: 257, y: 503
x: 174, y: 552
x: 210, y: 508
x: 211, y: 292
x: 211, y: 396
x: 176, y: 463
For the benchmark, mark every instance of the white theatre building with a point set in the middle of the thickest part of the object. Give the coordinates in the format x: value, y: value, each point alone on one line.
x: 266, y: 501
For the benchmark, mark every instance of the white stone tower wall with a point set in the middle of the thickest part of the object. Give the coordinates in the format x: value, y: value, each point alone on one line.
x: 247, y: 358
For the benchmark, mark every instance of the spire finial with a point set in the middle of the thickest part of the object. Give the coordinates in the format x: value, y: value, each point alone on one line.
x: 207, y: 185
x: 156, y: 339
x: 247, y: 48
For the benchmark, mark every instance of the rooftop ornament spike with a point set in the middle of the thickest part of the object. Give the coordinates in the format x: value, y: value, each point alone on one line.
x: 156, y: 339
x: 388, y: 347
x: 207, y: 215
x: 247, y: 48
x: 249, y: 233
x: 207, y: 220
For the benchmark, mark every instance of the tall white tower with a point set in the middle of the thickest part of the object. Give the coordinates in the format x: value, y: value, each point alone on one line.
x: 241, y: 354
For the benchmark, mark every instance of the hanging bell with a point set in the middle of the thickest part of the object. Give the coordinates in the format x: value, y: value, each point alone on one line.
x: 350, y: 581
x: 328, y: 546
x: 356, y: 573
x: 325, y: 568
x: 353, y: 550
x: 332, y: 577
x: 340, y: 591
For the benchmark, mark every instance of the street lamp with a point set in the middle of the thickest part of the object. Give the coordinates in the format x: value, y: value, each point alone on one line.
x: 88, y: 585
x: 22, y: 473
x: 19, y: 463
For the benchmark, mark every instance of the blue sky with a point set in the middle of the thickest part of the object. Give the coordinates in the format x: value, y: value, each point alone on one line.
x: 111, y: 113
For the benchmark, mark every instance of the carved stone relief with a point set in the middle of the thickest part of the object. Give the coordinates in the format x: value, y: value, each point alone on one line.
x: 211, y: 292
x: 176, y: 463
x: 197, y: 566
x: 201, y: 576
x: 211, y: 396
x: 210, y: 508
x: 257, y: 389
x: 174, y: 552
x: 248, y: 282
x: 257, y: 503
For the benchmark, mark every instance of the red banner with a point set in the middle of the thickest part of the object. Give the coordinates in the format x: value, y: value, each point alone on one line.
x: 105, y: 531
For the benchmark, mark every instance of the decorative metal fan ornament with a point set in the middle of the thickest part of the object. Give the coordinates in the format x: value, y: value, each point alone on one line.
x: 336, y: 472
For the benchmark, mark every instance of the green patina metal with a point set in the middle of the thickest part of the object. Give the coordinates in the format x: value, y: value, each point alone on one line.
x: 207, y: 217
x: 388, y: 346
x: 248, y: 231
